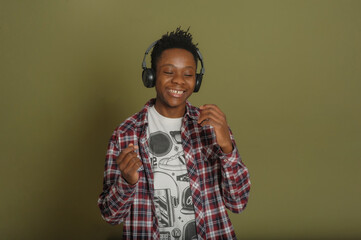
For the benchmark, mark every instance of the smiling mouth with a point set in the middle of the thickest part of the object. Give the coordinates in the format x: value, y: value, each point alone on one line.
x: 176, y: 93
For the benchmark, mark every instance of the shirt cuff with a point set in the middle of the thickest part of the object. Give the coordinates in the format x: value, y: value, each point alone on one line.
x: 124, y: 187
x: 228, y: 158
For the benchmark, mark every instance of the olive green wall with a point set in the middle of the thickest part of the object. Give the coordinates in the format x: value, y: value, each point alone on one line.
x: 286, y: 73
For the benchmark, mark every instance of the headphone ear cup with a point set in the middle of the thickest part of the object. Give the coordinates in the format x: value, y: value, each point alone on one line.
x: 148, y: 77
x: 199, y: 78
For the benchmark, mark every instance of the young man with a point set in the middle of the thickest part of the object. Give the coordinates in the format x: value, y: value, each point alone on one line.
x: 172, y: 169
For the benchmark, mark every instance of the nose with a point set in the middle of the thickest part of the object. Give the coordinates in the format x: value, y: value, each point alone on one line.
x: 178, y: 79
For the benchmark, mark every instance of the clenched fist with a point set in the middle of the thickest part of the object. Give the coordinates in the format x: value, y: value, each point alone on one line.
x: 213, y: 116
x: 129, y: 163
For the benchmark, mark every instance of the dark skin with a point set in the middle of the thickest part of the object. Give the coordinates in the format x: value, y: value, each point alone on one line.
x: 175, y: 81
x: 213, y: 116
x: 129, y: 163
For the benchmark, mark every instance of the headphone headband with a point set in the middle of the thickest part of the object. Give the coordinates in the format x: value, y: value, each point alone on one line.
x: 144, y: 66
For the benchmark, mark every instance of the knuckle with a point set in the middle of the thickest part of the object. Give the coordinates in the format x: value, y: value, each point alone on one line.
x: 121, y: 167
x: 126, y: 172
x: 120, y: 157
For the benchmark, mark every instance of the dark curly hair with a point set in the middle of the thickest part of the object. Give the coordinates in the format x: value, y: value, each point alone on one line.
x: 176, y: 39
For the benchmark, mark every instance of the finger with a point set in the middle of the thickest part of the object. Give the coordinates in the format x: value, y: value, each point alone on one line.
x: 210, y: 114
x: 130, y: 174
x: 131, y: 170
x: 205, y: 122
x: 127, y: 150
x: 207, y: 106
x: 134, y: 165
x: 203, y: 115
x: 213, y: 107
x: 210, y: 122
x: 126, y: 159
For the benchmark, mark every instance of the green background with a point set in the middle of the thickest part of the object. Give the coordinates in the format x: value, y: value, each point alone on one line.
x: 286, y: 73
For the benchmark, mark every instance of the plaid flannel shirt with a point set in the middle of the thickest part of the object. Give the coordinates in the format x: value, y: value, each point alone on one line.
x: 217, y: 180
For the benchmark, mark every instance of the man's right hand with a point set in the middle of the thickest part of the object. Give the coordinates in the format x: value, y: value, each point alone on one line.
x: 129, y: 163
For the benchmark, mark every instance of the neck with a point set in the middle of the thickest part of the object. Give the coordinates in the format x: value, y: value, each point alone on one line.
x: 170, y: 112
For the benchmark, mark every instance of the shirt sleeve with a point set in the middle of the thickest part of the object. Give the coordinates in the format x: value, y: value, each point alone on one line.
x: 235, y: 183
x: 117, y: 196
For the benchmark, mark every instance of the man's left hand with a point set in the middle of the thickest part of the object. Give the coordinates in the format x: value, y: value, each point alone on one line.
x: 213, y: 116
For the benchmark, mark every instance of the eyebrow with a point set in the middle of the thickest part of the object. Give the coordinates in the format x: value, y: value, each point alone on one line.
x: 168, y: 64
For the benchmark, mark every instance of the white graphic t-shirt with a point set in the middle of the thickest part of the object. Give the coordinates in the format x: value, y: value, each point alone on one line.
x: 172, y: 193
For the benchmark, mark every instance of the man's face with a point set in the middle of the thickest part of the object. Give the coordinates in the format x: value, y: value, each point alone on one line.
x: 175, y: 81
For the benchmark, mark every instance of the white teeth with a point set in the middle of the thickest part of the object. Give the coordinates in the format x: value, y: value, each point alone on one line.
x: 176, y: 92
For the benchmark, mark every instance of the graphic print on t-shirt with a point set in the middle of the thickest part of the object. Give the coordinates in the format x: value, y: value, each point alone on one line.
x: 172, y: 192
x: 160, y: 145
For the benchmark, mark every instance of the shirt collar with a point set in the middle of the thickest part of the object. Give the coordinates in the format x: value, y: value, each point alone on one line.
x: 191, y: 111
x: 143, y: 114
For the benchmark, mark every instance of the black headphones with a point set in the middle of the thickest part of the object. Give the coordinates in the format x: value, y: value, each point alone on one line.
x: 148, y: 75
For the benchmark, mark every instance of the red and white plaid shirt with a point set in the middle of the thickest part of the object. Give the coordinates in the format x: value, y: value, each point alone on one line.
x: 217, y: 180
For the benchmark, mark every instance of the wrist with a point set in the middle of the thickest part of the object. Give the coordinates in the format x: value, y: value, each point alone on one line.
x: 131, y: 182
x: 227, y: 148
